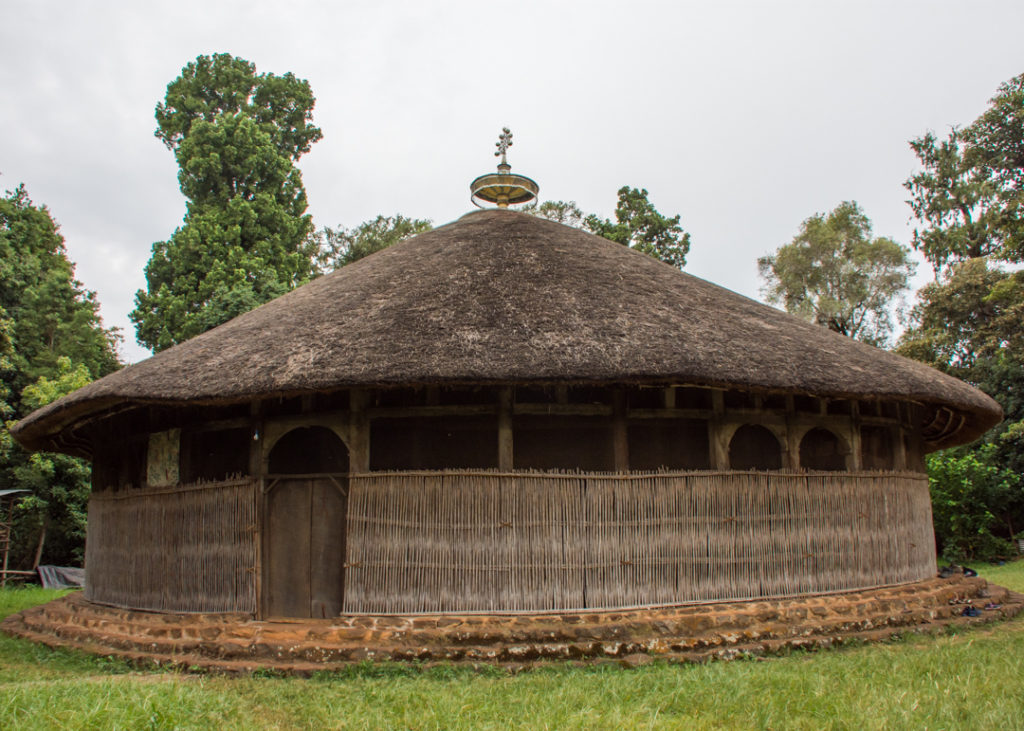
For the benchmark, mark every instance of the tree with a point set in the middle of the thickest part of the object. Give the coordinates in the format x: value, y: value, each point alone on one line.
x: 343, y: 246
x: 996, y: 147
x: 971, y: 316
x: 246, y: 236
x: 968, y: 324
x: 969, y: 196
x: 52, y: 341
x: 564, y: 212
x: 835, y: 274
x: 953, y: 200
x: 638, y: 225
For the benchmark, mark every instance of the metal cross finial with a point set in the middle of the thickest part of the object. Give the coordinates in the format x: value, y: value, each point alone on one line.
x: 504, y: 142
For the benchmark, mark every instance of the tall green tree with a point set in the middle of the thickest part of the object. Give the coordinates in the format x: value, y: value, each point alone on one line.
x: 342, y: 246
x: 972, y: 315
x: 995, y: 142
x: 967, y: 198
x: 51, y: 341
x: 953, y: 202
x: 836, y: 274
x: 246, y: 237
x: 968, y: 324
x: 637, y: 224
x: 969, y: 194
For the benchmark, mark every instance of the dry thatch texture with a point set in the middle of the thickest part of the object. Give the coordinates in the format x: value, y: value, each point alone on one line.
x: 182, y: 549
x: 500, y: 297
x: 480, y: 541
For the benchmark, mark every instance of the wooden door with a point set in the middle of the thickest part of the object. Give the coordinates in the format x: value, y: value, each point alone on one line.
x: 305, y: 547
x: 304, y: 525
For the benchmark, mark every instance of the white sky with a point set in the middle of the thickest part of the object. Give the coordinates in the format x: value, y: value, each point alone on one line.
x: 743, y: 117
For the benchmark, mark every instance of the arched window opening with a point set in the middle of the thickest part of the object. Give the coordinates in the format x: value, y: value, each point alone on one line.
x: 754, y: 447
x: 820, y: 449
x: 308, y: 450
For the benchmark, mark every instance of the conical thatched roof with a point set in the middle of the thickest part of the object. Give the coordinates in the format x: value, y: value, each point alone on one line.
x: 501, y: 297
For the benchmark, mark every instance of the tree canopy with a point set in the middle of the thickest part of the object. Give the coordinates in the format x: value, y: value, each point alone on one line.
x: 968, y: 200
x: 52, y: 341
x: 343, y: 246
x: 246, y: 236
x: 637, y: 224
x: 835, y: 274
x: 969, y: 195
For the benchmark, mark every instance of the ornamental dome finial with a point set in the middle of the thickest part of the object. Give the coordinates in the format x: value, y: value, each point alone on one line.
x: 503, y: 188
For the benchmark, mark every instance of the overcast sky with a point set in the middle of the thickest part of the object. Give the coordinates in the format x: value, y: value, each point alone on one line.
x: 743, y: 117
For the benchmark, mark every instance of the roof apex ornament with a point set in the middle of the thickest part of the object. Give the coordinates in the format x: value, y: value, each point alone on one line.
x: 504, y: 142
x: 503, y: 188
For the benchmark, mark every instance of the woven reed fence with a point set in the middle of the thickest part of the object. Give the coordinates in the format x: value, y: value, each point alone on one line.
x: 482, y: 541
x: 189, y: 548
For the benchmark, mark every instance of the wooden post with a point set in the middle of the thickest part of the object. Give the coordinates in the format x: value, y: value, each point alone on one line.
x: 620, y: 435
x: 257, y: 461
x: 359, y: 431
x: 791, y: 456
x: 855, y: 460
x: 506, y: 446
x: 900, y: 447
x: 716, y: 436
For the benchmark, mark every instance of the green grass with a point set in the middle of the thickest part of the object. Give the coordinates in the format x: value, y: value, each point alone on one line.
x: 965, y: 679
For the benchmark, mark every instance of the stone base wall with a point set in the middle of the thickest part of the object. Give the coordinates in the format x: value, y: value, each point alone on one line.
x: 233, y: 643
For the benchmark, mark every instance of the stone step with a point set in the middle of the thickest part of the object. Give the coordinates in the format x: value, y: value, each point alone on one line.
x: 695, y: 632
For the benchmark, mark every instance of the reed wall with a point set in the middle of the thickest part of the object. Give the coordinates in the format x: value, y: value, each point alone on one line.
x: 486, y: 541
x: 189, y: 548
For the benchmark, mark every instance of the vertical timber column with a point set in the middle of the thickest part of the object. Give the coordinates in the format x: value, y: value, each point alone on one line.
x: 620, y: 438
x: 257, y: 464
x: 855, y: 461
x: 505, y: 443
x: 359, y: 431
x: 898, y: 433
x: 719, y: 446
x: 792, y: 447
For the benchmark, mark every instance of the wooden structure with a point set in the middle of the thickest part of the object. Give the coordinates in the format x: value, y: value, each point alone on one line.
x: 7, y: 498
x: 506, y: 415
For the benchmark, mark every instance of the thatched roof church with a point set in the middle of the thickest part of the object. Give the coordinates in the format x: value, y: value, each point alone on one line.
x: 506, y: 414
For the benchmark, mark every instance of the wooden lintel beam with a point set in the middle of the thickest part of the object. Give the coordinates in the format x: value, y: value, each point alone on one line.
x: 406, y: 412
x: 562, y: 410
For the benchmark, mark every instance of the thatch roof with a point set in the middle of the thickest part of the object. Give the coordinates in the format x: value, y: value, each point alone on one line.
x: 500, y: 297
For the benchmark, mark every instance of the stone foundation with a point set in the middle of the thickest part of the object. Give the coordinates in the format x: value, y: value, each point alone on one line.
x: 236, y: 643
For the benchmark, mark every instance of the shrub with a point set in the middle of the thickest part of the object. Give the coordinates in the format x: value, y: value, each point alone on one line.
x: 973, y: 500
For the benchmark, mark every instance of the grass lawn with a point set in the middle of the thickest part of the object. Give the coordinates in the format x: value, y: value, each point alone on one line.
x: 971, y: 679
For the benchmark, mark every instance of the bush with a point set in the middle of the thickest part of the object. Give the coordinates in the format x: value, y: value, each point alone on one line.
x: 973, y: 502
